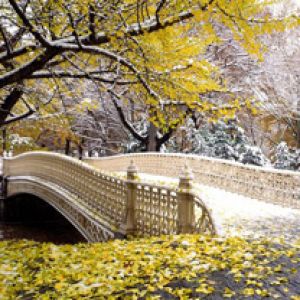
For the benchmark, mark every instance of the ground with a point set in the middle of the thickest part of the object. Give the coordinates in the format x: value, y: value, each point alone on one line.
x: 236, y: 215
x: 166, y: 267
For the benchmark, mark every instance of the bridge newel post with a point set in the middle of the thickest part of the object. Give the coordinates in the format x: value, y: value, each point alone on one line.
x: 186, y: 207
x: 129, y: 225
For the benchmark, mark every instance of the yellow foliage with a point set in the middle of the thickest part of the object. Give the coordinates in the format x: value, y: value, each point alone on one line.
x: 168, y: 64
x: 181, y: 266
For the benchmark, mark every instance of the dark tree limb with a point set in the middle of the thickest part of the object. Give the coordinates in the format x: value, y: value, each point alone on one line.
x: 16, y: 53
x: 27, y: 23
x: 165, y: 137
x: 92, y: 26
x: 19, y: 117
x: 127, y: 125
x: 18, y: 74
x: 8, y: 104
x: 6, y: 40
x: 158, y: 9
x: 88, y: 75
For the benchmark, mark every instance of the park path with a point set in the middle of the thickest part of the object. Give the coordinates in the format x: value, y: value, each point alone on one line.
x: 242, y: 216
x: 236, y: 215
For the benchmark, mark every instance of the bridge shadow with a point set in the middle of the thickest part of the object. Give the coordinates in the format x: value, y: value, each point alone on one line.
x: 28, y: 217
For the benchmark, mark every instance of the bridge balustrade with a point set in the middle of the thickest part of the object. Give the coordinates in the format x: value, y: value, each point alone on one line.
x: 102, y: 206
x: 266, y: 184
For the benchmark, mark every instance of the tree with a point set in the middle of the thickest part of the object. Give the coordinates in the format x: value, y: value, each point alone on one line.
x: 286, y: 158
x: 50, y: 132
x: 279, y: 85
x: 272, y: 83
x: 146, y: 50
x: 226, y: 140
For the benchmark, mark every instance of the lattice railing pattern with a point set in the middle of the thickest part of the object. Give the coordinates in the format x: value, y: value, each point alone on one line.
x: 204, y: 222
x: 156, y: 210
x: 101, y: 197
x: 97, y: 192
x: 105, y: 205
x: 269, y: 185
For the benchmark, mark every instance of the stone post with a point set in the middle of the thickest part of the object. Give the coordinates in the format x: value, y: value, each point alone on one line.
x: 186, y: 207
x: 129, y: 225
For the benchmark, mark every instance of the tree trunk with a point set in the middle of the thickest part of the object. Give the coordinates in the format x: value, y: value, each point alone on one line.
x: 4, y: 140
x: 153, y: 142
x: 67, y: 147
x: 132, y: 108
x: 298, y: 125
x: 80, y: 151
x: 152, y: 139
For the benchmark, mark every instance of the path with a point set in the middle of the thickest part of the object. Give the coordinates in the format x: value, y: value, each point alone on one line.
x: 243, y: 216
x: 236, y: 215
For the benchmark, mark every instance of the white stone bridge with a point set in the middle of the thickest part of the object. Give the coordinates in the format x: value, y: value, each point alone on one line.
x: 106, y: 198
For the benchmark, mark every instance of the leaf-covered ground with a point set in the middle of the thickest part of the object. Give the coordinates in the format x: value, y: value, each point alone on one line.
x: 168, y: 267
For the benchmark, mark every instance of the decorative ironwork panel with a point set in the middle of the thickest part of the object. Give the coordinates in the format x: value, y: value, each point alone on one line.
x: 204, y: 221
x: 156, y: 210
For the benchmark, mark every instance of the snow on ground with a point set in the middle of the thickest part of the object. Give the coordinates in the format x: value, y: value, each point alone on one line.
x: 238, y: 215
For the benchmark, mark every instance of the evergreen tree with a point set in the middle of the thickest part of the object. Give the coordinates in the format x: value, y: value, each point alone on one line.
x: 254, y: 156
x: 285, y: 158
x: 223, y: 139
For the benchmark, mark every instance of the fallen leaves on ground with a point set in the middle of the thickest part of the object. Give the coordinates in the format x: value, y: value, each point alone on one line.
x: 166, y: 267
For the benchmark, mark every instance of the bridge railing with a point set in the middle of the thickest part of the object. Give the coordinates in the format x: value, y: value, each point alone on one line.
x: 270, y: 185
x: 126, y: 206
x: 96, y: 193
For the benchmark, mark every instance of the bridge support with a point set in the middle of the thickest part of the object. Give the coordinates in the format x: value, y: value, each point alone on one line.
x: 129, y: 225
x: 186, y: 207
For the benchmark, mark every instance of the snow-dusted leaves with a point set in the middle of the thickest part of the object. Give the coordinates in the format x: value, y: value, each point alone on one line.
x: 173, y: 267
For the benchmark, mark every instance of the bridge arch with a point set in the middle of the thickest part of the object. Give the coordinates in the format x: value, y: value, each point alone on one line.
x: 60, y: 201
x: 28, y: 216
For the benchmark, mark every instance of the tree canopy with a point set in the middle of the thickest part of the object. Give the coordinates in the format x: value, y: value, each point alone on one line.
x: 149, y: 51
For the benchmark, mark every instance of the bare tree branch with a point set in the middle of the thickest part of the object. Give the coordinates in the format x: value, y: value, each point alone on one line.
x: 83, y: 75
x: 27, y: 23
x: 126, y: 123
x: 18, y: 118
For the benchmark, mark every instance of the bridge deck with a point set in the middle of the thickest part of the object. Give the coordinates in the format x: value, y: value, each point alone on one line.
x: 151, y: 207
x: 238, y: 215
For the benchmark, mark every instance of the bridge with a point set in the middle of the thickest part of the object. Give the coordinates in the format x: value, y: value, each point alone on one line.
x: 109, y: 197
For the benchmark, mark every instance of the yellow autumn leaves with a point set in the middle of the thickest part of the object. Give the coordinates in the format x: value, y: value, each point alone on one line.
x: 177, y: 267
x: 170, y: 60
